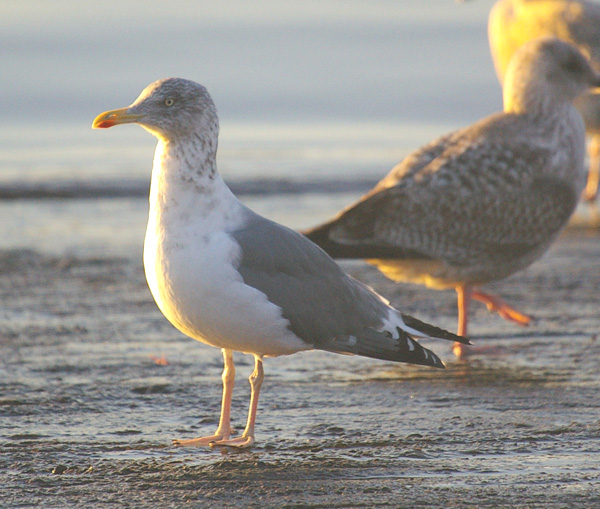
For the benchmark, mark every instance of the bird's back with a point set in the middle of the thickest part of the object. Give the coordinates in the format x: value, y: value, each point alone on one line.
x: 481, y: 197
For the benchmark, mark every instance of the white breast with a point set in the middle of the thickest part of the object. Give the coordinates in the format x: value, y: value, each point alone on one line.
x: 191, y: 267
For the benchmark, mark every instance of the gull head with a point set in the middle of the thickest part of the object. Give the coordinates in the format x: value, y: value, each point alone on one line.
x: 171, y: 109
x: 545, y: 72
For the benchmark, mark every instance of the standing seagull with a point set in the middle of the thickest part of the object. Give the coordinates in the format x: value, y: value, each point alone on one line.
x: 232, y: 279
x: 514, y: 22
x: 483, y: 202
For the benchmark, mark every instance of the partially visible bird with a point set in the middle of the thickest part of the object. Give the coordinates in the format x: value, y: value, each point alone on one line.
x: 232, y: 279
x: 514, y: 22
x: 483, y: 202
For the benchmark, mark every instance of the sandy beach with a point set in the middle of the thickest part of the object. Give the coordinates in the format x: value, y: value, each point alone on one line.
x: 95, y: 384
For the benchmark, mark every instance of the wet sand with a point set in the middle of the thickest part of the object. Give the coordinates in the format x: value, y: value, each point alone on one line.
x: 88, y: 405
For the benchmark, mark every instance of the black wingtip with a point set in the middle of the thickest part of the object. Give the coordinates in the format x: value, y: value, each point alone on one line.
x: 381, y: 345
x: 417, y: 353
x: 433, y: 331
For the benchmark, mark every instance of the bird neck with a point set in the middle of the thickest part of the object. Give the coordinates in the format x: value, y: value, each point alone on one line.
x: 519, y: 98
x: 186, y: 162
x: 185, y: 178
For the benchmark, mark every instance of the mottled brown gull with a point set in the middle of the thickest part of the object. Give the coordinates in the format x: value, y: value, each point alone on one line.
x: 483, y: 202
x: 232, y: 279
x: 513, y: 22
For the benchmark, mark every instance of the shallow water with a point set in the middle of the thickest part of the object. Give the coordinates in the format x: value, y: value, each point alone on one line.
x: 302, y: 89
x: 88, y: 408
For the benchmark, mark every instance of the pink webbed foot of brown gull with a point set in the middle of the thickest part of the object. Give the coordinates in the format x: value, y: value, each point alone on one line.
x: 496, y: 304
x: 493, y: 303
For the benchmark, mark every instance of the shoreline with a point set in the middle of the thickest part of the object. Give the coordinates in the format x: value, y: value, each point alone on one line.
x: 87, y: 414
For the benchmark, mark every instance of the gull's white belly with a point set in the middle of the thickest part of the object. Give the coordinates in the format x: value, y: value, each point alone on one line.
x: 199, y: 290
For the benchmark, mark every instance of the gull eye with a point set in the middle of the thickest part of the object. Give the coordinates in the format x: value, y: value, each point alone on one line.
x: 169, y: 101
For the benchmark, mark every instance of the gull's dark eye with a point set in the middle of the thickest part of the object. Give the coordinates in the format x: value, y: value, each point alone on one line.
x: 169, y: 101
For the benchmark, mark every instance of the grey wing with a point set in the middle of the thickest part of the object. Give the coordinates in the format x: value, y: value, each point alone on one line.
x: 325, y: 307
x: 319, y: 300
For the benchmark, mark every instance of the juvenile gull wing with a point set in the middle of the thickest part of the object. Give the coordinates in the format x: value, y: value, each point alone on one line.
x: 464, y: 199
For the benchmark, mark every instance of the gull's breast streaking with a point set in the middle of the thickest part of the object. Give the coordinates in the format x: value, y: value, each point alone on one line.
x: 481, y: 203
x: 232, y: 279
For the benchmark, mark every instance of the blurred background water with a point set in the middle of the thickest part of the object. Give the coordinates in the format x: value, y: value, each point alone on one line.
x: 317, y: 101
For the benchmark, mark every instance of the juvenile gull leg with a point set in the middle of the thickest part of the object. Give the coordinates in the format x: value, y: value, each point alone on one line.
x: 463, y: 293
x: 247, y: 438
x: 591, y: 188
x: 224, y: 430
x: 494, y: 304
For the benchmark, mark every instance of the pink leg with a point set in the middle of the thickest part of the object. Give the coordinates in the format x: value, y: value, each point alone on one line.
x: 224, y: 430
x: 247, y: 438
x: 591, y: 189
x: 463, y: 293
x: 496, y: 304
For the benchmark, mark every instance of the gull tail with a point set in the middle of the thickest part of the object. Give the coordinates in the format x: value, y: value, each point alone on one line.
x: 382, y: 345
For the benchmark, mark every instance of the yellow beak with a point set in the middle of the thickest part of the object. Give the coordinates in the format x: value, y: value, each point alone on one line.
x: 114, y: 117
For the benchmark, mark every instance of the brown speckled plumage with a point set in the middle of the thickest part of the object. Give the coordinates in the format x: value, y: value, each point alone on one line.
x: 483, y: 202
